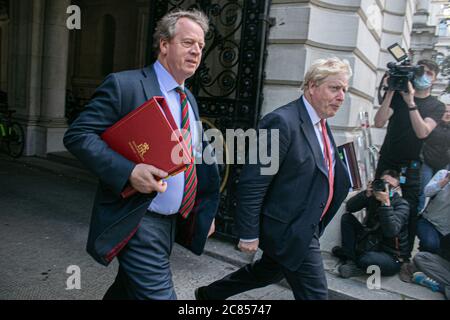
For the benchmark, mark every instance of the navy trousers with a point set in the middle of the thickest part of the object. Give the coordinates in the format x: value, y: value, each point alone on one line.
x: 144, y: 268
x: 307, y: 283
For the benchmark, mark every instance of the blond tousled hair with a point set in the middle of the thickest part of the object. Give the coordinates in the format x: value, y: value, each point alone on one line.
x: 322, y: 68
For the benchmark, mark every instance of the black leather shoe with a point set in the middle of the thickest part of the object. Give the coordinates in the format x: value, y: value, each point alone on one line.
x: 200, y: 294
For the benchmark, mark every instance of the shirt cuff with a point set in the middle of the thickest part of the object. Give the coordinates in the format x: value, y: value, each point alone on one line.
x: 248, y: 240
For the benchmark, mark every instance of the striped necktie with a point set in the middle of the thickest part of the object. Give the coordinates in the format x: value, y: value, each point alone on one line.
x: 329, y: 162
x: 190, y: 175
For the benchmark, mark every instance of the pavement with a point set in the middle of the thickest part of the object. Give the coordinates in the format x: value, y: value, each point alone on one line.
x: 45, y: 207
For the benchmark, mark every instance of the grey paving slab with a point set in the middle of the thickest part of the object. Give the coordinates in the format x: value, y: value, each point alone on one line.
x: 43, y: 228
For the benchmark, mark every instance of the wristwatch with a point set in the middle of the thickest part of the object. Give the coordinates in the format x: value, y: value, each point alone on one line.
x: 412, y: 107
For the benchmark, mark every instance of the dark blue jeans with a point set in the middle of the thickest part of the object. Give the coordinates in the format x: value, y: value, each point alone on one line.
x: 430, y: 238
x: 388, y: 264
x: 351, y: 230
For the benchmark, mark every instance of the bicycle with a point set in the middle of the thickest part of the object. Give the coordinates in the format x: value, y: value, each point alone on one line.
x: 11, y: 134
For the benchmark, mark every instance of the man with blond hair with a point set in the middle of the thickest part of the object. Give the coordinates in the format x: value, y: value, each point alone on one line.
x: 140, y: 230
x: 285, y: 213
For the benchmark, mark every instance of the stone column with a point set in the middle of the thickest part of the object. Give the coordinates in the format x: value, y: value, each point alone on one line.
x: 24, y: 73
x: 4, y: 41
x: 54, y: 75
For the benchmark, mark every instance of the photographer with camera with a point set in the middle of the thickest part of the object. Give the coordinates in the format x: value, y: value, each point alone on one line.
x: 412, y: 116
x: 383, y: 239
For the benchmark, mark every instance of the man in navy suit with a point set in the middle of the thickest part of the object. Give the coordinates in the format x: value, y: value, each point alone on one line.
x: 141, y: 230
x: 285, y: 213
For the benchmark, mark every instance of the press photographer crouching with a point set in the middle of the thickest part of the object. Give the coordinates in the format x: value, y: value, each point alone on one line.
x: 383, y: 238
x: 412, y: 116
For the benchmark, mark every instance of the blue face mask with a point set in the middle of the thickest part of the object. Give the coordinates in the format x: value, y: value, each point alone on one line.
x: 392, y: 191
x: 422, y: 83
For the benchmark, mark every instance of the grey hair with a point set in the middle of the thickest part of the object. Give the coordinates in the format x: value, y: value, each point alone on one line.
x: 165, y: 28
x: 322, y: 68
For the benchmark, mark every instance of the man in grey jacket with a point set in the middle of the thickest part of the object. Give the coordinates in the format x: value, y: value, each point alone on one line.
x: 435, y: 221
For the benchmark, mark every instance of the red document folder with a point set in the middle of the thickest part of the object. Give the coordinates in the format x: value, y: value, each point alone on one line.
x: 146, y: 135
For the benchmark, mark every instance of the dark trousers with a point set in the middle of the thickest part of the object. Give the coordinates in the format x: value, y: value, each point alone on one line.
x: 410, y: 192
x: 144, y: 269
x: 352, y: 230
x: 307, y: 283
x: 429, y: 237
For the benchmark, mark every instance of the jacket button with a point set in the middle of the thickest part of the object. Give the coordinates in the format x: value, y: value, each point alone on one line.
x: 322, y: 205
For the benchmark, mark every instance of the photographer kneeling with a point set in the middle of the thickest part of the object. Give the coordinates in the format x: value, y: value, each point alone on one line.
x: 383, y: 239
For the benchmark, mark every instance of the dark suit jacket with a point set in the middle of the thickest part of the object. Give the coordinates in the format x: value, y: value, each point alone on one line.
x: 283, y: 210
x: 114, y: 220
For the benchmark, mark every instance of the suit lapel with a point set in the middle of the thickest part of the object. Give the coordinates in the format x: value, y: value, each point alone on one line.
x: 310, y: 134
x: 150, y: 83
x: 193, y: 104
x: 333, y: 143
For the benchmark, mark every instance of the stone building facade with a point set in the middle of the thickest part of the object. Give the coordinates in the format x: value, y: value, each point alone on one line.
x: 41, y: 60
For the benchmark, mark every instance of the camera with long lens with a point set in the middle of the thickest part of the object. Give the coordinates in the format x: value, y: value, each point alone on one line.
x: 403, y: 71
x: 379, y: 185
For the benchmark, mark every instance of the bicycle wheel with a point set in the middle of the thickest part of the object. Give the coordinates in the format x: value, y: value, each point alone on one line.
x: 15, y: 141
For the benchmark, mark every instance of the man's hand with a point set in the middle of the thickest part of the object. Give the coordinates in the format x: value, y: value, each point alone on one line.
x: 409, y: 96
x: 143, y: 179
x: 212, y: 228
x: 369, y: 191
x: 385, y: 112
x: 383, y: 197
x: 385, y: 84
x: 249, y: 247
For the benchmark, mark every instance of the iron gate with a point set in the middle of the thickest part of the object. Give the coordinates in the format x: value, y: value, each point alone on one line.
x: 228, y: 83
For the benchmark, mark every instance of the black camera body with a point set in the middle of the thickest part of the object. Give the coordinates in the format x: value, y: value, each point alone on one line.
x: 400, y: 74
x: 403, y: 71
x: 379, y: 185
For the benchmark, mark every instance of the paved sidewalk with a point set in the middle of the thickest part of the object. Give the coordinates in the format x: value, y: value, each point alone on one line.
x: 44, y: 215
x: 43, y: 228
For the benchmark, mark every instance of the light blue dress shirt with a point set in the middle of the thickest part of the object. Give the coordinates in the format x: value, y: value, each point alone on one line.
x: 169, y: 202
